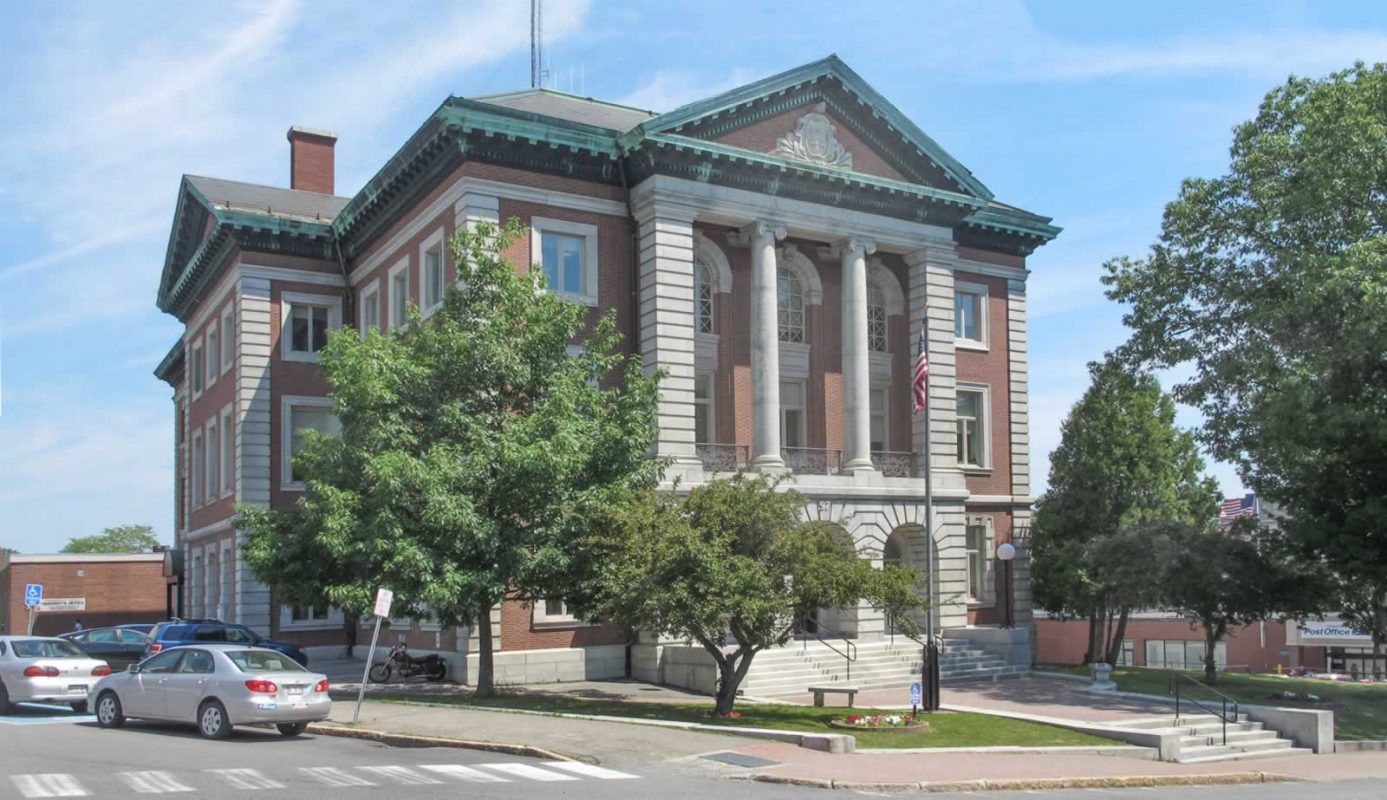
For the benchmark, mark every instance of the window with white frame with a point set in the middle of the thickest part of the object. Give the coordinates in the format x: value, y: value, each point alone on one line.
x: 790, y: 306
x: 568, y: 256
x: 228, y: 454
x: 199, y: 470
x: 970, y: 421
x: 308, y: 325
x: 316, y: 616
x: 792, y: 416
x: 431, y: 277
x: 878, y: 337
x: 1183, y: 654
x: 978, y: 545
x: 228, y: 338
x: 1125, y: 656
x: 970, y: 314
x: 300, y: 415
x: 198, y: 370
x: 399, y: 294
x: 553, y: 612
x: 703, y: 297
x: 214, y: 458
x: 214, y: 354
x: 703, y: 408
x: 878, y: 418
x: 370, y: 307
x: 195, y: 592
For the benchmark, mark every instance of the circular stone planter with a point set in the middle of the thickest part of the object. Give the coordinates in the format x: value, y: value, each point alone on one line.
x: 914, y: 727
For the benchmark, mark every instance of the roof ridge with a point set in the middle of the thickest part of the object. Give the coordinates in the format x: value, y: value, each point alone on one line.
x: 569, y: 95
x: 264, y: 186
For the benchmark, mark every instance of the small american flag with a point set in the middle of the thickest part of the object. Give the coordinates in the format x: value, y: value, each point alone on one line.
x: 920, y: 386
x: 1235, y: 507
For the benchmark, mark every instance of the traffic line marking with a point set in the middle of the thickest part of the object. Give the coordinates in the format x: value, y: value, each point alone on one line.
x: 464, y: 773
x: 529, y: 772
x: 403, y: 775
x: 247, y: 779
x: 48, y: 785
x: 332, y: 776
x: 154, y: 782
x: 590, y: 771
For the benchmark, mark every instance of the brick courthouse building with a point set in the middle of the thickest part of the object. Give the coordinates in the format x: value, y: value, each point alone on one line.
x: 773, y: 248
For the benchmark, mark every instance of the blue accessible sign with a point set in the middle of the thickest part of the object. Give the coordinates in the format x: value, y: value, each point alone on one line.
x: 915, y: 693
x: 33, y: 594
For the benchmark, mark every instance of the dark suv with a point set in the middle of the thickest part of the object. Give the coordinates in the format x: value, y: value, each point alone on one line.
x: 193, y: 631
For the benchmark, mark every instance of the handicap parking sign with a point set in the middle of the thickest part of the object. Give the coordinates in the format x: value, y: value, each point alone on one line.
x: 915, y: 693
x: 33, y: 594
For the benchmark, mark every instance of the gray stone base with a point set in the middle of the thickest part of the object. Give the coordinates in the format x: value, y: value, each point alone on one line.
x: 679, y: 665
x: 1010, y: 644
x: 556, y: 665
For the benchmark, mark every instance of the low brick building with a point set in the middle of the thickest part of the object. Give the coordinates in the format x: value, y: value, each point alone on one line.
x: 112, y: 589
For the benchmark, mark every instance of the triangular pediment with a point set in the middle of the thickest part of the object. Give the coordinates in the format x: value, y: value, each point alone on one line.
x: 823, y: 114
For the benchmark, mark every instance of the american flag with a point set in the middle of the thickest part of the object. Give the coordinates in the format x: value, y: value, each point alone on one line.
x: 920, y: 386
x: 1235, y: 507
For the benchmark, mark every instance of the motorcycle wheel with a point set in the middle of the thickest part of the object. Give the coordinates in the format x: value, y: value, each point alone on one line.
x: 380, y: 673
x: 436, y: 671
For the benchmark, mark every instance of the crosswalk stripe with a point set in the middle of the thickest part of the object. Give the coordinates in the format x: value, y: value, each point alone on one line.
x: 464, y: 773
x: 48, y: 785
x: 529, y: 772
x: 403, y: 775
x: 332, y: 776
x: 247, y: 779
x: 154, y: 782
x: 590, y: 771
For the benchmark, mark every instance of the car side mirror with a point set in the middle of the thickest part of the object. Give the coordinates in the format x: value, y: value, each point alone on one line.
x: 133, y: 669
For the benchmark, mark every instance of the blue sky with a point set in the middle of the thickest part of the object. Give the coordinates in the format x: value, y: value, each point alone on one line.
x: 1091, y: 112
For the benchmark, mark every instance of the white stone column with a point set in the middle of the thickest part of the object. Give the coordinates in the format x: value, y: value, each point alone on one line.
x: 857, y: 433
x: 765, y: 344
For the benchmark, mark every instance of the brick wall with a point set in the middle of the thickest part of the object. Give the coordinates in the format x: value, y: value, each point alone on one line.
x: 1066, y: 642
x: 116, y: 592
x: 991, y: 369
x: 518, y: 631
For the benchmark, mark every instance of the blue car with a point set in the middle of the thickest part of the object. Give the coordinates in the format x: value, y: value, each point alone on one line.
x: 199, y: 631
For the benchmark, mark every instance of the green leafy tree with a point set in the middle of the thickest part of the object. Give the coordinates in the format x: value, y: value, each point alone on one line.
x: 1121, y: 464
x: 473, y: 450
x: 733, y: 566
x: 1269, y: 285
x: 120, y: 539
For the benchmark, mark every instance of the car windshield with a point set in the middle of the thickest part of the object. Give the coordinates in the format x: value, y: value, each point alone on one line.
x: 45, y: 648
x: 262, y: 661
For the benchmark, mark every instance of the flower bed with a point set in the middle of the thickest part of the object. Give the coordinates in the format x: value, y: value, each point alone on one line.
x: 892, y: 723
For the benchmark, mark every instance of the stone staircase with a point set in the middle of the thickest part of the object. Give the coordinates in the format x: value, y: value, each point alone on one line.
x: 793, y: 668
x: 1201, y: 738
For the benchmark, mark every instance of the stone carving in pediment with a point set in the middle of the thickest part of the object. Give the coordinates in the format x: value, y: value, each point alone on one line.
x: 815, y: 140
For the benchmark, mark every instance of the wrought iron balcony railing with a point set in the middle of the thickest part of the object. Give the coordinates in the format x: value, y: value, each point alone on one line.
x: 812, y: 460
x: 893, y: 464
x: 722, y: 457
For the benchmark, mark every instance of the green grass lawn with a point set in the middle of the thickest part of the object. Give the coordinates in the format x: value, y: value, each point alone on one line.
x: 1360, y: 710
x: 947, y: 729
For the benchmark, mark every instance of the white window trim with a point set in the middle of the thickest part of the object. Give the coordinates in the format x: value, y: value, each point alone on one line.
x: 985, y: 417
x: 988, y: 598
x: 287, y: 301
x: 435, y: 238
x: 981, y: 290
x: 210, y: 349
x: 540, y: 619
x: 803, y: 409
x: 228, y: 476
x: 286, y: 435
x: 334, y: 620
x: 197, y: 452
x: 228, y: 324
x: 542, y: 225
x: 711, y: 403
x: 885, y: 389
x: 395, y: 321
x: 369, y: 295
x: 212, y: 456
x: 196, y: 369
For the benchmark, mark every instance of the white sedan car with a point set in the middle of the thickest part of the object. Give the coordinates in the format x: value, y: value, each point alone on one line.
x: 215, y: 686
x: 41, y: 669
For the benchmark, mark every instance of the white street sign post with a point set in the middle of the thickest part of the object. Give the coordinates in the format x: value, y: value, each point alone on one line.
x: 384, y: 597
x: 33, y: 597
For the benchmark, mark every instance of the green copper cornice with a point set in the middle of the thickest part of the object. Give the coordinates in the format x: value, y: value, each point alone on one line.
x: 170, y: 369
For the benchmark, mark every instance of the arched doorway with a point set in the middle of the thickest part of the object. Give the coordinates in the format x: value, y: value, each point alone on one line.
x: 907, y: 546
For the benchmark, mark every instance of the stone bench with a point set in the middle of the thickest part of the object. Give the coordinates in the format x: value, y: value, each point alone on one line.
x: 820, y: 691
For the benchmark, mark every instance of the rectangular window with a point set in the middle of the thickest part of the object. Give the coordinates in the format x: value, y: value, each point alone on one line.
x: 433, y: 278
x: 199, y: 470
x: 303, y: 414
x: 1186, y: 654
x: 566, y: 252
x: 197, y: 370
x: 792, y: 417
x: 370, y: 308
x: 880, y: 442
x: 970, y: 314
x: 703, y: 409
x: 978, y: 544
x: 228, y: 338
x: 214, y: 355
x: 302, y: 613
x: 562, y: 256
x: 971, y: 427
x: 399, y: 295
x: 307, y: 328
x: 1125, y: 658
x: 554, y: 612
x: 214, y: 457
x: 228, y: 456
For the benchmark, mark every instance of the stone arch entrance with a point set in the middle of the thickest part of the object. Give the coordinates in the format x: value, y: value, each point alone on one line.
x: 832, y: 623
x: 909, y: 547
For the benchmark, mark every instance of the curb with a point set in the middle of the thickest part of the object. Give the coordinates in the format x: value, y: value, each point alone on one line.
x: 411, y: 740
x: 1033, y: 784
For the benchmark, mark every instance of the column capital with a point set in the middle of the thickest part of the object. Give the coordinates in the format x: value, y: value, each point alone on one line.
x: 850, y: 247
x: 758, y: 231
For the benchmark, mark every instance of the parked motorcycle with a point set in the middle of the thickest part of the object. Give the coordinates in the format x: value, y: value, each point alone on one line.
x: 400, y: 663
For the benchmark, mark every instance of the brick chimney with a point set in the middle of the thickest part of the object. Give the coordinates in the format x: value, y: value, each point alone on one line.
x: 311, y: 160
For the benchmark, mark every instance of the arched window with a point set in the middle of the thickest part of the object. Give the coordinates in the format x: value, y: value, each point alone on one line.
x: 877, y: 339
x: 703, y: 297
x: 790, y: 304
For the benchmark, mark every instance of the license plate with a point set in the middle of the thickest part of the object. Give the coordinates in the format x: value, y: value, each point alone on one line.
x: 77, y: 688
x: 293, y: 689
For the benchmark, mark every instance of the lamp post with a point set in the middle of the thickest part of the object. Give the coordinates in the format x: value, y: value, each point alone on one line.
x: 1006, y: 552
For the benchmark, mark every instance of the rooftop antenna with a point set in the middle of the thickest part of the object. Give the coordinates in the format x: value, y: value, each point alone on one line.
x: 536, y: 43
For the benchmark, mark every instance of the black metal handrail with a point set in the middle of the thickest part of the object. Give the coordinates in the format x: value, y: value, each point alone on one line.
x: 805, y: 625
x: 1173, y: 687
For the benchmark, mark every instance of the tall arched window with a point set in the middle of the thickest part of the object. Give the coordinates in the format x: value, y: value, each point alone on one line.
x: 703, y: 297
x: 877, y: 339
x: 790, y: 304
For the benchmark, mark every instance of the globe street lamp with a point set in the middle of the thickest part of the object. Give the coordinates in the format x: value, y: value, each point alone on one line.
x: 1005, y: 553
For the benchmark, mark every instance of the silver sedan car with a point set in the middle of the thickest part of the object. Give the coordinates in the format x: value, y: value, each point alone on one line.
x: 215, y: 686
x: 41, y: 669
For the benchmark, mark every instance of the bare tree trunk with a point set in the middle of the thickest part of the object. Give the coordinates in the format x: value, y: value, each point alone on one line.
x: 1115, y: 645
x: 486, y: 686
x: 1095, y: 636
x: 1211, y: 637
x: 351, y: 623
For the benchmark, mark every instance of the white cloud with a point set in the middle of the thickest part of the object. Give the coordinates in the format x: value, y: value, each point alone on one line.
x: 670, y: 89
